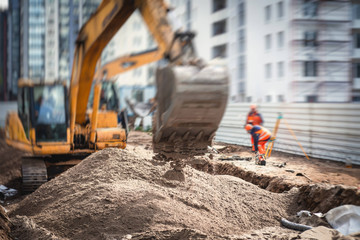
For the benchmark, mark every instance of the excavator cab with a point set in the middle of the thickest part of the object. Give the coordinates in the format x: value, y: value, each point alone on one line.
x: 49, y: 113
x: 109, y: 99
x: 42, y: 115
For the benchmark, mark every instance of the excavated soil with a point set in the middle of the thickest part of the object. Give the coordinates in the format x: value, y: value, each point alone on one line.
x: 127, y: 194
x: 115, y: 192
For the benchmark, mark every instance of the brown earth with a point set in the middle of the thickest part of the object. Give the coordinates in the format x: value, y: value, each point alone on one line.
x: 126, y: 194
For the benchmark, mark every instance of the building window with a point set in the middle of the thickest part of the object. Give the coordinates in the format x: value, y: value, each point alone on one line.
x: 241, y: 14
x: 356, y: 11
x: 356, y: 68
x: 241, y: 87
x: 151, y: 72
x: 137, y: 72
x: 138, y: 95
x: 188, y: 14
x: 219, y: 51
x: 241, y: 40
x: 268, y: 42
x: 280, y: 9
x: 281, y: 98
x: 249, y: 99
x: 267, y: 13
x: 268, y: 70
x: 218, y: 5
x: 241, y: 67
x: 311, y: 98
x: 356, y: 98
x: 280, y: 67
x: 268, y: 98
x: 357, y: 40
x: 310, y: 8
x: 310, y: 39
x: 219, y: 27
x: 310, y: 69
x: 280, y: 36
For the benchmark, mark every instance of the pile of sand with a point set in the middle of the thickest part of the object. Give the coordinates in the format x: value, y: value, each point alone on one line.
x: 115, y: 194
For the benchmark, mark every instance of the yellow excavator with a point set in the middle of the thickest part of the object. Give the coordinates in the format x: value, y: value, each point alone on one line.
x: 58, y: 122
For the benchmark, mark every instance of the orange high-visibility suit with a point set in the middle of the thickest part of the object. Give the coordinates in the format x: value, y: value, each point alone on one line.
x: 254, y: 118
x: 259, y: 137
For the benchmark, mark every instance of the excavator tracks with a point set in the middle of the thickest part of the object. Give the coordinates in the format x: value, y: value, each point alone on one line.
x: 34, y: 174
x: 191, y: 102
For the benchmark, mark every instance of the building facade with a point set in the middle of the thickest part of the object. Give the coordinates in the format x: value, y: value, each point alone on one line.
x: 280, y: 50
x: 13, y: 50
x: 355, y: 61
x: 133, y: 37
x: 48, y: 31
x: 32, y: 39
x: 3, y: 54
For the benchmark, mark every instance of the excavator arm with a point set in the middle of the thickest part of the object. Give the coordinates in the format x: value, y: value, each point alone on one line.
x: 191, y: 97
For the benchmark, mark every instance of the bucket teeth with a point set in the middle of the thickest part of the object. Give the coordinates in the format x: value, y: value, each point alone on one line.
x: 158, y: 137
x: 200, y: 135
x: 186, y: 136
x: 172, y: 137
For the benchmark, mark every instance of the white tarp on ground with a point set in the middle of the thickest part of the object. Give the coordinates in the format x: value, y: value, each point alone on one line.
x: 345, y: 219
x: 325, y: 130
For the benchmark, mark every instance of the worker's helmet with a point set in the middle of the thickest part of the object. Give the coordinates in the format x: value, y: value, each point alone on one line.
x: 253, y: 106
x: 248, y: 127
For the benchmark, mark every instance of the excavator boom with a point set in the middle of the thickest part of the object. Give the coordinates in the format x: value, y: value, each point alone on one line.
x: 191, y: 97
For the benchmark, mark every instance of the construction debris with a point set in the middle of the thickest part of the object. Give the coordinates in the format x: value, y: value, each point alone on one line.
x: 6, y: 193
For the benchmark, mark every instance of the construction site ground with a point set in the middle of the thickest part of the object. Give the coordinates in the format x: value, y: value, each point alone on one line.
x: 129, y: 194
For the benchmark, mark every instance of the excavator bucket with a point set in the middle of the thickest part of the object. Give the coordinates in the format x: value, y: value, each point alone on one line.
x: 191, y: 102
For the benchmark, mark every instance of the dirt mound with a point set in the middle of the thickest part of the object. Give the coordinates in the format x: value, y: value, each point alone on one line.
x: 10, y: 165
x: 115, y: 193
x: 4, y: 225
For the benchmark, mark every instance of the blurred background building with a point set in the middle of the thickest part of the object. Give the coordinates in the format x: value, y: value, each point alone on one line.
x: 3, y: 54
x: 13, y: 49
x: 280, y: 50
x: 276, y: 50
x: 42, y: 36
x: 133, y: 37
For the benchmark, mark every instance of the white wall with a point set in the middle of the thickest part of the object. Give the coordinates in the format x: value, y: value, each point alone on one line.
x: 328, y: 131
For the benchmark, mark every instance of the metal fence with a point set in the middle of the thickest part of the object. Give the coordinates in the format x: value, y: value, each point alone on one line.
x: 4, y: 108
x: 327, y: 131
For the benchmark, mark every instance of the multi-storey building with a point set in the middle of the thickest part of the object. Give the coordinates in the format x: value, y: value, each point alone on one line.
x: 72, y: 15
x: 280, y: 50
x: 3, y: 54
x: 355, y: 30
x: 48, y: 33
x: 13, y: 66
x: 32, y: 39
x: 133, y: 37
x: 320, y: 51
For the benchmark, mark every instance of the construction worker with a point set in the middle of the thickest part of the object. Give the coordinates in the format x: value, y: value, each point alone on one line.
x: 259, y: 137
x: 254, y: 118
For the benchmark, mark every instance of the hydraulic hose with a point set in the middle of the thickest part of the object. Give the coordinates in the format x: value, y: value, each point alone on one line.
x: 294, y: 226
